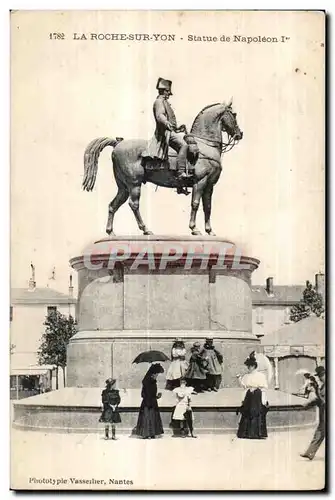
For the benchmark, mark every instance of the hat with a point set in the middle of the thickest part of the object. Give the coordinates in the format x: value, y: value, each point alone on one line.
x: 156, y: 368
x: 209, y: 339
x: 110, y: 381
x: 178, y: 339
x: 196, y: 344
x: 250, y: 362
x: 319, y: 371
x: 163, y: 84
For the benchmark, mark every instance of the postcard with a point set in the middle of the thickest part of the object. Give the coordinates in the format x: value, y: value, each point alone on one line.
x: 167, y: 312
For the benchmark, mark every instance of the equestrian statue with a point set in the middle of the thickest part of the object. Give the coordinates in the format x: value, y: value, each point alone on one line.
x: 168, y: 159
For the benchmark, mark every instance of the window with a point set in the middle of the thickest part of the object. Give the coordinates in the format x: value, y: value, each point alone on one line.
x: 51, y: 309
x: 259, y: 316
x: 11, y: 313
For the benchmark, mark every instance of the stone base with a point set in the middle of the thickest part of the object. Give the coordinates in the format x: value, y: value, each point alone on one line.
x: 94, y: 356
x: 78, y: 410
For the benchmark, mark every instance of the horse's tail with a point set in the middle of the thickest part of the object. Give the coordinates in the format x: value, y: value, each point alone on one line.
x: 91, y: 157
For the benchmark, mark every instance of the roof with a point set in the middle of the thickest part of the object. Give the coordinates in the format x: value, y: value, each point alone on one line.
x: 282, y: 295
x: 46, y: 296
x: 31, y: 370
x: 310, y: 330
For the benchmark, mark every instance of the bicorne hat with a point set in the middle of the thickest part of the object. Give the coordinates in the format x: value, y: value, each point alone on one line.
x: 163, y: 84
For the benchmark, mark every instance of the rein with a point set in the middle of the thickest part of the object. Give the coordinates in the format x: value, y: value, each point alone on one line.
x: 224, y: 146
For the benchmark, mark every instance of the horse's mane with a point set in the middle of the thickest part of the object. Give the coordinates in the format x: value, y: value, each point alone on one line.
x: 203, y: 110
x: 209, y: 106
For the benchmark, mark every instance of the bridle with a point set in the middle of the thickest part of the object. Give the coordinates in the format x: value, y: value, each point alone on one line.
x: 224, y: 146
x: 228, y: 146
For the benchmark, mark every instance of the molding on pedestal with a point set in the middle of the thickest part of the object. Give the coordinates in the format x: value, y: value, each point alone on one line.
x: 168, y: 335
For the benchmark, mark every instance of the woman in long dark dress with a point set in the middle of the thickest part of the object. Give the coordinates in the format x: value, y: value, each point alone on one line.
x: 149, y: 423
x: 254, y: 406
x: 110, y: 414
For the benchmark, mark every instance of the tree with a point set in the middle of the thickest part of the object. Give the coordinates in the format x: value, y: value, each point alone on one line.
x: 311, y: 303
x: 59, y: 329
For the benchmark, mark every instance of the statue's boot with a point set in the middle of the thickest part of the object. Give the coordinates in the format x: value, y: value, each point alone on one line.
x: 181, y: 174
x: 181, y: 164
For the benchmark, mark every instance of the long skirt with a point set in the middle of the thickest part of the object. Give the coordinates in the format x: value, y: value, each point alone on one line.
x: 149, y: 423
x: 253, y: 417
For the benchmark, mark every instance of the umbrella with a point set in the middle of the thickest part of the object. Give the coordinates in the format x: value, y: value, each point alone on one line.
x: 264, y: 365
x: 150, y: 357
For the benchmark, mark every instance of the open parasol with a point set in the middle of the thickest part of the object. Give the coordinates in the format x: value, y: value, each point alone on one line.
x: 150, y: 357
x: 264, y: 365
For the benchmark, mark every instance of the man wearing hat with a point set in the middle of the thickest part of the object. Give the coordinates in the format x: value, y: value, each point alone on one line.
x: 320, y: 401
x: 166, y: 133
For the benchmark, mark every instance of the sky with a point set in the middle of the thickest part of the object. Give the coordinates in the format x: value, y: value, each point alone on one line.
x: 64, y: 93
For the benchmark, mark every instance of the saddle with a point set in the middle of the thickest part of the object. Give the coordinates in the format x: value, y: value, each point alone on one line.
x: 170, y: 163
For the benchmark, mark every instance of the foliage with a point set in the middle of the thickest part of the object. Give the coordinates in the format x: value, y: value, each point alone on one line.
x: 311, y: 303
x: 58, y: 331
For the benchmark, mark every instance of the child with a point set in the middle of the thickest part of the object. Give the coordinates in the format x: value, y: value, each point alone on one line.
x: 196, y: 371
x: 182, y: 413
x: 178, y: 365
x: 110, y: 413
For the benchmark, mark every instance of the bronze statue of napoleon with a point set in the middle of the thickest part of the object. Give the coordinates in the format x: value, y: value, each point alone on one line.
x: 170, y: 159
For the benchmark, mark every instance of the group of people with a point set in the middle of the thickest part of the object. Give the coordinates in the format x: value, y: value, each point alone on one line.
x: 149, y: 422
x: 202, y: 371
x: 255, y: 405
x: 253, y: 410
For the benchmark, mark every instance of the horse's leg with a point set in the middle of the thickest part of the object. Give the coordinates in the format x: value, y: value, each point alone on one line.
x: 197, y: 191
x: 120, y: 198
x: 207, y: 206
x: 134, y: 203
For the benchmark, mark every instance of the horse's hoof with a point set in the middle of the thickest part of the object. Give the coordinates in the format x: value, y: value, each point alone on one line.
x: 148, y: 233
x: 210, y: 233
x: 110, y: 232
x: 196, y: 233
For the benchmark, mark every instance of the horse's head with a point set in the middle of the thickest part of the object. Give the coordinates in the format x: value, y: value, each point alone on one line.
x: 215, y: 119
x: 229, y: 123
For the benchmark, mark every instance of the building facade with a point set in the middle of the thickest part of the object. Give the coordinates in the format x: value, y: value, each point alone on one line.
x: 271, y: 305
x: 28, y: 310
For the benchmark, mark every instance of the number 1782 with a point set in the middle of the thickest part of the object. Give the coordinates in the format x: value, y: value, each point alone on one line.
x: 56, y: 36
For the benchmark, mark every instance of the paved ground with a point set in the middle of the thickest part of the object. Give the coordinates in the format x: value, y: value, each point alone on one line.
x: 211, y: 462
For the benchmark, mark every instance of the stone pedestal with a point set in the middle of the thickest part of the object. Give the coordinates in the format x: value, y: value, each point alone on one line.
x: 140, y: 293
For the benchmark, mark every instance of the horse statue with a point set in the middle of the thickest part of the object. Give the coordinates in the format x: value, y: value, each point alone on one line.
x: 131, y: 172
